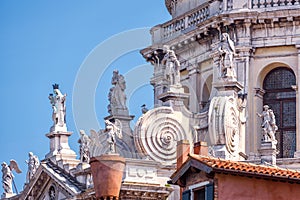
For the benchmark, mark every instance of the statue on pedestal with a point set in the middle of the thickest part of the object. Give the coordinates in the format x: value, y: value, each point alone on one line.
x: 116, y: 95
x: 172, y: 73
x: 59, y: 108
x: 33, y: 163
x: 268, y: 124
x: 227, y: 52
x: 112, y: 130
x: 84, y: 142
x: 7, y: 176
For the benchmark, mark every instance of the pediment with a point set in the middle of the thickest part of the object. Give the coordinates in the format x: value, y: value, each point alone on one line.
x: 51, y: 182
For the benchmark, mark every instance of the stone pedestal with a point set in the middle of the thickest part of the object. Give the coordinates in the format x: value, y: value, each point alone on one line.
x: 107, y: 171
x: 59, y: 146
x: 57, y: 128
x: 268, y: 153
x: 228, y: 88
x: 174, y: 97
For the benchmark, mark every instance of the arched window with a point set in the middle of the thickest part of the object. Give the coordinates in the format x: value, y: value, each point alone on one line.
x: 206, y: 92
x: 282, y: 100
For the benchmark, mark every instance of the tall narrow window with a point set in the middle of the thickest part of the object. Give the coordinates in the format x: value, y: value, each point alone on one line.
x: 282, y: 100
x: 206, y: 93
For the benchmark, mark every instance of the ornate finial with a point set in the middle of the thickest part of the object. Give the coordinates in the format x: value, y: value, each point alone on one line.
x: 55, y: 86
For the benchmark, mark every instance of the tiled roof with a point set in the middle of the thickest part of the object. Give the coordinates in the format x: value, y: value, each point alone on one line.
x: 61, y: 175
x: 219, y: 165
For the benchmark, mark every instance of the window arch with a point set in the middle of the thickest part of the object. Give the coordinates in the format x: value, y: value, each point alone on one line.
x: 282, y: 100
x: 207, y: 87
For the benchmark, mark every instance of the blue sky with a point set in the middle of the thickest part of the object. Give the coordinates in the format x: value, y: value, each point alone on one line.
x: 46, y: 42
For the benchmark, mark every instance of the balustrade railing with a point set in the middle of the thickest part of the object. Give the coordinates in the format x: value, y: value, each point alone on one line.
x: 198, y: 16
x: 184, y: 22
x: 203, y: 12
x: 273, y: 3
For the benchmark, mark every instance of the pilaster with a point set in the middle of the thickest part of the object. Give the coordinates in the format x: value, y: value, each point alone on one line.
x: 195, y: 89
x: 254, y: 124
x: 297, y: 153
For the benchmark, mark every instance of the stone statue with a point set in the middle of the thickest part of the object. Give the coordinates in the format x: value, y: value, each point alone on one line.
x: 268, y: 124
x: 59, y: 109
x: 84, y: 142
x: 227, y: 52
x: 33, y: 163
x: 116, y: 95
x: 172, y: 73
x: 112, y: 130
x: 7, y: 176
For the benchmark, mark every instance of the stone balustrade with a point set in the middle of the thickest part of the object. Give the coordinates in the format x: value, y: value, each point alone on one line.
x: 198, y: 16
x: 273, y: 3
x: 189, y: 20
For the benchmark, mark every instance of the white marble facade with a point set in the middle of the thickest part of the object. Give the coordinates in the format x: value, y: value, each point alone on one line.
x: 228, y: 57
x: 265, y: 37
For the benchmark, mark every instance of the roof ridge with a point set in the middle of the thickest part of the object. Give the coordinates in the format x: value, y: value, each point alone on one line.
x: 245, y: 167
x: 65, y: 174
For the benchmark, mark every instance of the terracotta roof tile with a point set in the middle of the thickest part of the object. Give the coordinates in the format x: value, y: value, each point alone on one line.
x: 245, y: 168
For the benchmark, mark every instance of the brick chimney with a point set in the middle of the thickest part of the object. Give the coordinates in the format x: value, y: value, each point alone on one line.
x: 201, y: 148
x: 183, y: 149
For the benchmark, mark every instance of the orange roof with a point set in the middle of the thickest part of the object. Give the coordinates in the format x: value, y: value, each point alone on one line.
x: 209, y: 164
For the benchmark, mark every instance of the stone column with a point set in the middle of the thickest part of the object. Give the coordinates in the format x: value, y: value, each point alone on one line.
x: 254, y: 121
x: 195, y: 91
x: 297, y: 153
x: 225, y: 5
x: 216, y: 62
x: 243, y: 69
